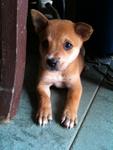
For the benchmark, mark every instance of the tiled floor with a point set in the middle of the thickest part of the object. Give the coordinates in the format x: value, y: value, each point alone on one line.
x: 93, y: 132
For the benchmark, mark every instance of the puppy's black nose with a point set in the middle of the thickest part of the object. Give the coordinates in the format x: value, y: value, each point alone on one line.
x: 52, y: 63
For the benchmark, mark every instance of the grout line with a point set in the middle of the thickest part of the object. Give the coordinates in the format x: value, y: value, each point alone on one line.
x: 85, y: 114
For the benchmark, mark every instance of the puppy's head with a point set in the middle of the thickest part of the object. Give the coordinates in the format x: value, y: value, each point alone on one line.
x: 60, y: 40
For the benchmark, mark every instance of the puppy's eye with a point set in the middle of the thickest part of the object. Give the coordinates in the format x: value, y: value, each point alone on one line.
x: 45, y: 43
x: 67, y: 45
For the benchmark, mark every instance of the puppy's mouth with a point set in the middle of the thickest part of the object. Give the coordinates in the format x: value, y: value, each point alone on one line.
x: 52, y: 68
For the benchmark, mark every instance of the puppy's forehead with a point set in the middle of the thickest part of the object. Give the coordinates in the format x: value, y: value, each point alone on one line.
x: 61, y: 30
x: 60, y: 27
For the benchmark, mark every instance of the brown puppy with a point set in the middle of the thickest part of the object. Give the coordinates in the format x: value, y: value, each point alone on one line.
x: 62, y: 64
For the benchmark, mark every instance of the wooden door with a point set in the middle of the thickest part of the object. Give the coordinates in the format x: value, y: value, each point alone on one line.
x: 13, y: 16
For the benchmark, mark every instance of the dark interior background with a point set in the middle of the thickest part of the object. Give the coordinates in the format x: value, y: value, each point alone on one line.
x: 99, y: 14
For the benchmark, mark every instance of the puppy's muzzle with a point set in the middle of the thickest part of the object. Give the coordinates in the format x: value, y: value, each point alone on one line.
x: 52, y: 63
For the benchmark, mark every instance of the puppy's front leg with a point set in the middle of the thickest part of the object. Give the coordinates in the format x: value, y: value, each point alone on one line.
x: 44, y: 113
x: 69, y: 117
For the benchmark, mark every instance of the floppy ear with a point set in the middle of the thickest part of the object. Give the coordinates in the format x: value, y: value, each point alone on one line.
x: 83, y: 30
x: 39, y: 20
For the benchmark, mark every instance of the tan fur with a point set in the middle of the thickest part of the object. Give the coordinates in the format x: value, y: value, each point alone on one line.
x: 70, y: 64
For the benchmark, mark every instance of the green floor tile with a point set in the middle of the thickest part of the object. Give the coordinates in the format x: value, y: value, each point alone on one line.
x: 96, y: 132
x: 22, y: 133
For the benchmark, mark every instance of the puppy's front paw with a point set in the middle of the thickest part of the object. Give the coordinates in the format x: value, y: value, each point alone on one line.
x: 43, y: 116
x: 69, y: 119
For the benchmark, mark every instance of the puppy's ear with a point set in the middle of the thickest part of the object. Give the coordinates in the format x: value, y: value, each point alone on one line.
x: 83, y: 30
x: 39, y: 20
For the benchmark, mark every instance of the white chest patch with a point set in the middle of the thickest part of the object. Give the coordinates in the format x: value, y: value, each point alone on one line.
x: 55, y: 79
x: 58, y: 80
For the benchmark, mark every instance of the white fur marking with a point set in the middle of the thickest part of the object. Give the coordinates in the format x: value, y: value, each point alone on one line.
x: 74, y: 54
